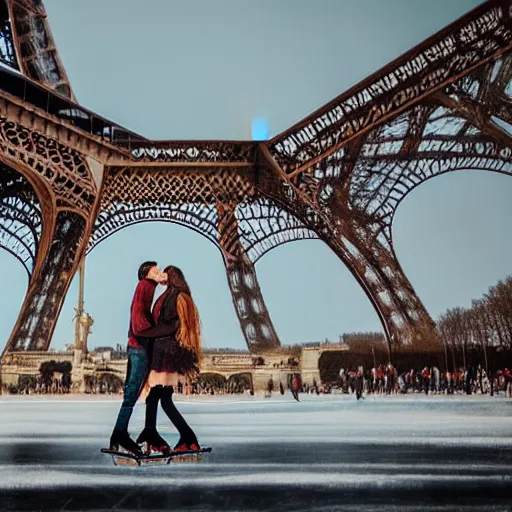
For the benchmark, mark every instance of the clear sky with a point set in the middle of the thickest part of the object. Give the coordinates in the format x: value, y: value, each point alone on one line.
x: 197, y: 69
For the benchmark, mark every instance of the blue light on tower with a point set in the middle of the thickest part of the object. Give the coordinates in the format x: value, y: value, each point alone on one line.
x: 259, y: 129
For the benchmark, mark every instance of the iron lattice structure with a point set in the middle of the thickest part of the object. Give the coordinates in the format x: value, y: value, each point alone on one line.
x: 69, y: 178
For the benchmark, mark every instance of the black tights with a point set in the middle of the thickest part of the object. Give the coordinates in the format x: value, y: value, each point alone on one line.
x: 152, y: 407
x: 164, y: 395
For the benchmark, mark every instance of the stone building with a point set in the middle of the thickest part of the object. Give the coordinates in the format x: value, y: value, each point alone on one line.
x: 107, y: 365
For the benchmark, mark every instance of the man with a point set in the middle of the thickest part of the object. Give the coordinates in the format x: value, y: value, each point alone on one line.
x: 296, y: 387
x: 139, y: 349
x: 359, y: 382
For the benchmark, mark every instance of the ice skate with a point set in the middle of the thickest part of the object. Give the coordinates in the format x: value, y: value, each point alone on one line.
x: 121, y: 441
x: 152, y: 442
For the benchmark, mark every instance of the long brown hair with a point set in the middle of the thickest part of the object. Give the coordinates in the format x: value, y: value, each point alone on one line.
x: 189, y: 334
x: 176, y: 280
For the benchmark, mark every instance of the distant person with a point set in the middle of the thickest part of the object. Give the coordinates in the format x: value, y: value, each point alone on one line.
x: 436, y: 377
x: 449, y: 383
x: 296, y: 387
x: 390, y: 378
x: 175, y: 357
x: 270, y: 388
x: 315, y: 387
x: 401, y: 384
x: 358, y: 383
x: 425, y: 374
x: 139, y: 348
x: 469, y: 378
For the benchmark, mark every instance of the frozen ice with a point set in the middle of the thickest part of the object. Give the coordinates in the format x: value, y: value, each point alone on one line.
x: 325, y: 452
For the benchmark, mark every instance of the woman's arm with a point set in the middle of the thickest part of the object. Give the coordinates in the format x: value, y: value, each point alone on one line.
x: 168, y: 321
x: 162, y: 329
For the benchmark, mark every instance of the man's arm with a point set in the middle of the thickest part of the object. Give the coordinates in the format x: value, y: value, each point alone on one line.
x: 141, y: 318
x: 168, y: 321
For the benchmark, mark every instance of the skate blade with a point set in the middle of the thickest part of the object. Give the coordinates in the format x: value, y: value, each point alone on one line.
x: 125, y: 461
x: 178, y: 459
x: 154, y: 460
x: 131, y: 460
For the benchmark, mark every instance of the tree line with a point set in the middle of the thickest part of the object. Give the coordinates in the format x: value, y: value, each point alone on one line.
x: 482, y: 333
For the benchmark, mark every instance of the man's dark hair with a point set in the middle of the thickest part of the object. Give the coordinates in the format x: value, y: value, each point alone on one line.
x: 145, y: 268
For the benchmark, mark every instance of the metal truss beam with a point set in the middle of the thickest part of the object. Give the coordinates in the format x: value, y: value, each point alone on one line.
x: 37, y: 54
x: 67, y: 198
x: 338, y: 176
x: 20, y: 218
x: 47, y: 290
x: 7, y: 48
x: 257, y: 327
x: 481, y: 35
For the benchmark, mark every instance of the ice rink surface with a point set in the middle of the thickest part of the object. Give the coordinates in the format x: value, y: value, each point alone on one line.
x: 328, y: 453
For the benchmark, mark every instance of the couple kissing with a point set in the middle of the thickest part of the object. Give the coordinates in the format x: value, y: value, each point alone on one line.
x: 164, y: 344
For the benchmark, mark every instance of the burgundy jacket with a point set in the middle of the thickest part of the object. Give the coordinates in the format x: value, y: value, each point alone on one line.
x: 142, y: 325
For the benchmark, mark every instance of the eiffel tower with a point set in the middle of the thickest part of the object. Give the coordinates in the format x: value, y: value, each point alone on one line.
x: 70, y: 178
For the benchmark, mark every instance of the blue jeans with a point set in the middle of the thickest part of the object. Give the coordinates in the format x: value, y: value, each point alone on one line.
x: 135, y: 376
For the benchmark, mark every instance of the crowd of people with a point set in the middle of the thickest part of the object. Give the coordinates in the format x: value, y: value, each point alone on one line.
x: 377, y: 380
x: 39, y: 385
x: 388, y: 380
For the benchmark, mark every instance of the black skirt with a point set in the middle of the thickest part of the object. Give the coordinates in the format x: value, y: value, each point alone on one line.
x: 171, y: 357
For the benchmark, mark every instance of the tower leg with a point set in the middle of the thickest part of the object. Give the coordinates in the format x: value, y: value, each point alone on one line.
x: 54, y: 270
x: 406, y: 322
x: 250, y: 307
x: 252, y: 313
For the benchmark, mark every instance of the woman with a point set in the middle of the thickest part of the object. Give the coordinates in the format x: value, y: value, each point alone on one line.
x: 175, y: 356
